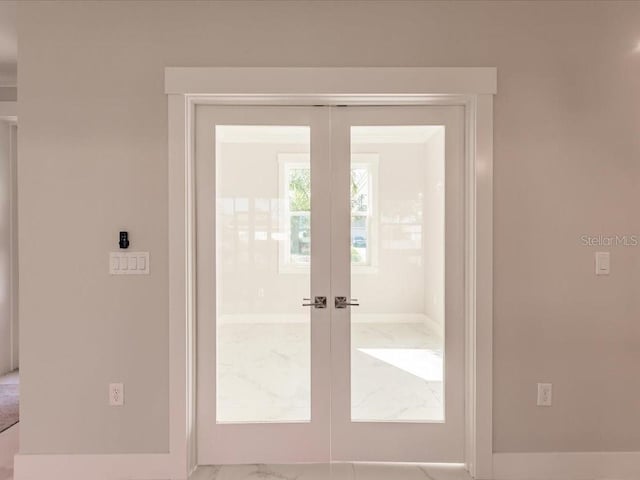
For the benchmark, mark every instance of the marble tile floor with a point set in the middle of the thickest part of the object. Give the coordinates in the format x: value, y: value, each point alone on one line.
x: 264, y: 371
x: 335, y: 471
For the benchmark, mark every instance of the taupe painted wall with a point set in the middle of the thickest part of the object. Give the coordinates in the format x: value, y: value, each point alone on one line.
x: 93, y: 159
x: 8, y: 94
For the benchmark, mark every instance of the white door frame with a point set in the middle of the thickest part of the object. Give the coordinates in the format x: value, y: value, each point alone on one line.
x: 472, y: 88
x: 9, y: 114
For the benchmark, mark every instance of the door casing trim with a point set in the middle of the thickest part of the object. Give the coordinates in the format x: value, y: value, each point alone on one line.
x: 472, y: 88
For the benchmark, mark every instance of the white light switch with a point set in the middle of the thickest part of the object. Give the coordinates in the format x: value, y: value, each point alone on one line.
x: 603, y: 263
x: 129, y: 263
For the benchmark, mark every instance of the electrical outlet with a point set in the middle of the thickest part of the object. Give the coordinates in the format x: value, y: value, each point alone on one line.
x: 544, y: 394
x: 116, y: 394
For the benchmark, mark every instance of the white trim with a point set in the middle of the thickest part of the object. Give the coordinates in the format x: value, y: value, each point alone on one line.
x: 13, y: 246
x: 567, y: 466
x: 181, y: 287
x: 479, y: 302
x: 9, y: 440
x: 329, y: 81
x: 472, y: 88
x: 96, y: 467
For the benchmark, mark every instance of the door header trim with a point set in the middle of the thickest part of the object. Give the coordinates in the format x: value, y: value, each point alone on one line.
x: 313, y: 81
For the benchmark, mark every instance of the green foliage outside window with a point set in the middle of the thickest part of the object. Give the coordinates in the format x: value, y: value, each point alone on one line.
x: 300, y: 207
x: 300, y: 190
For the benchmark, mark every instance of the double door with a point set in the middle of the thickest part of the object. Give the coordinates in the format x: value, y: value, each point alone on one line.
x: 329, y: 276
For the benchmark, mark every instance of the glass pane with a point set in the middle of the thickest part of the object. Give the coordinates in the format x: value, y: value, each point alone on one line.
x: 300, y: 239
x: 359, y: 237
x: 397, y: 229
x: 263, y: 237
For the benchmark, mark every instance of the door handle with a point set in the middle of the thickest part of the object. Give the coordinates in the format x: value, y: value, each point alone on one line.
x: 318, y: 302
x: 341, y: 302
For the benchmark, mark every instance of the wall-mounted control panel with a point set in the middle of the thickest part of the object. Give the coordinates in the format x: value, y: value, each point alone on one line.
x: 123, y: 241
x: 129, y: 263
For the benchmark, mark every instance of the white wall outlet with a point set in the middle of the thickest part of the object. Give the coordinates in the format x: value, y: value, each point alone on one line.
x: 603, y: 263
x: 544, y: 394
x: 116, y: 394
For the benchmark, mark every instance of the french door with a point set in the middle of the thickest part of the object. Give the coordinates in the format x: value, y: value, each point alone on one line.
x: 329, y: 273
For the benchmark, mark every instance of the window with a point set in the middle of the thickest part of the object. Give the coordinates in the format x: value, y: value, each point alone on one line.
x: 363, y: 228
x: 299, y: 214
x: 296, y: 222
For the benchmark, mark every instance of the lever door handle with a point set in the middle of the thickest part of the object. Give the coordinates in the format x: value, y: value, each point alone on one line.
x: 318, y: 302
x: 341, y: 302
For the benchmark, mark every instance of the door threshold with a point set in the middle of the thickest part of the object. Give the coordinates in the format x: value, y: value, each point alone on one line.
x: 334, y: 471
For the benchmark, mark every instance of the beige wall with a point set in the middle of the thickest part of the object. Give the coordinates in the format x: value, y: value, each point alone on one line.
x: 8, y: 94
x: 94, y: 159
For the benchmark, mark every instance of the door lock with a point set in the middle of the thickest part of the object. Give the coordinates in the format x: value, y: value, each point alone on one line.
x: 318, y: 302
x: 341, y: 302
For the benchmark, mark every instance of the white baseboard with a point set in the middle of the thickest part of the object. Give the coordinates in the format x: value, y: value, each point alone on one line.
x: 506, y: 466
x: 98, y: 467
x: 567, y: 466
x: 8, y: 447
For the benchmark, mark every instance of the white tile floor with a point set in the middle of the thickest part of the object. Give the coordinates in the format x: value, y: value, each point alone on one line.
x: 264, y: 370
x: 337, y: 471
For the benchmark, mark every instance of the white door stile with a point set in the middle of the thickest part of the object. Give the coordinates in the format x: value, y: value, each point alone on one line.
x: 399, y: 441
x: 240, y: 443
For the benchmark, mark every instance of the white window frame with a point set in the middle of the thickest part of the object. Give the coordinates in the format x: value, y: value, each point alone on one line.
x: 371, y: 161
x: 472, y: 88
x: 285, y: 162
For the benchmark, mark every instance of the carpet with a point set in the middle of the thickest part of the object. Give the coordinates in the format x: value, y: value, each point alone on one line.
x: 9, y: 409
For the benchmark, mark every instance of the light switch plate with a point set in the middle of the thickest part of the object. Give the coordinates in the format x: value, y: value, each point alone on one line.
x: 603, y: 263
x: 129, y: 263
